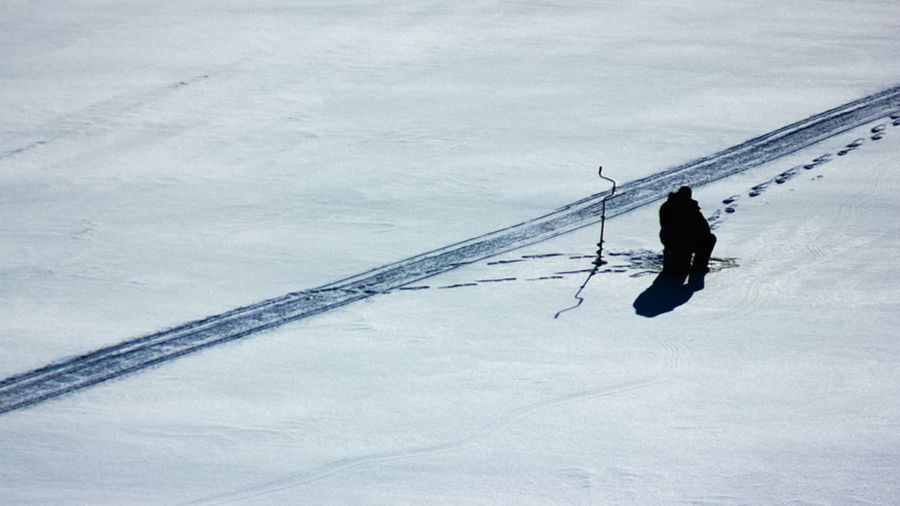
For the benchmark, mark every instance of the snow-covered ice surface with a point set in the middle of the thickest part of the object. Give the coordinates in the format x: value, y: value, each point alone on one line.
x: 162, y: 162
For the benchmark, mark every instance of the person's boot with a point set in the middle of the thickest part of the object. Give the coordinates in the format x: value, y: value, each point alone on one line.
x: 701, y: 256
x: 696, y: 281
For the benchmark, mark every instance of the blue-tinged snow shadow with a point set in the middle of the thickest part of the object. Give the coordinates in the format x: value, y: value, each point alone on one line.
x: 668, y: 291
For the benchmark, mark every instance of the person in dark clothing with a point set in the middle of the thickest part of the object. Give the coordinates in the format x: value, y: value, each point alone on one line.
x: 685, y: 233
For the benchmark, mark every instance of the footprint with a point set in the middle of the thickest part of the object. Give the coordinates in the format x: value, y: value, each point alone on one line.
x: 755, y: 191
x: 786, y: 175
x: 820, y: 160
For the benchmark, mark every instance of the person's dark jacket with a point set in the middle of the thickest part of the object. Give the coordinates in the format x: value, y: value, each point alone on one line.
x: 682, y: 225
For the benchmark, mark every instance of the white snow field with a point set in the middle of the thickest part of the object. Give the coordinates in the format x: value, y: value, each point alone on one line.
x: 161, y: 162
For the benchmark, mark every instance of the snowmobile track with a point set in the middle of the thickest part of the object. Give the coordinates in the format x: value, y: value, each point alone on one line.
x: 72, y: 374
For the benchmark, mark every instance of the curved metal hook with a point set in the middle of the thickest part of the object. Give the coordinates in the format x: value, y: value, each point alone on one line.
x: 611, y: 180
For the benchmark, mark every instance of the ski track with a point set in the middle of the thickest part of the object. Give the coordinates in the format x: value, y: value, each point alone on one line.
x: 72, y: 374
x: 496, y: 425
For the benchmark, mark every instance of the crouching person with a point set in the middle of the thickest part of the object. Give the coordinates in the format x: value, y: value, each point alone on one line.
x: 685, y: 234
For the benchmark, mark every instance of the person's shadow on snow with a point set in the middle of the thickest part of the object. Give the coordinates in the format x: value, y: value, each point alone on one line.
x: 667, y: 292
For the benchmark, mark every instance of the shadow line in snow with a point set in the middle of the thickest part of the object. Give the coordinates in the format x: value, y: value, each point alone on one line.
x: 636, y: 263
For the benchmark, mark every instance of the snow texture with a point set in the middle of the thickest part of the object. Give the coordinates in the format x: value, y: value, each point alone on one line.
x: 166, y: 161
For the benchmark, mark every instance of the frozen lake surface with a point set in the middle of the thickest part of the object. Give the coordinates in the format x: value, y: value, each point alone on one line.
x: 163, y: 162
